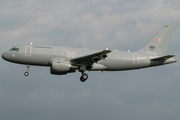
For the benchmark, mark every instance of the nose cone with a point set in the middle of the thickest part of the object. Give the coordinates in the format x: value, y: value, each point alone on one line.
x: 5, y: 56
x: 9, y: 56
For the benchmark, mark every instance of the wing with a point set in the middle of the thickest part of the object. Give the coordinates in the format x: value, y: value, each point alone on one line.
x: 88, y: 60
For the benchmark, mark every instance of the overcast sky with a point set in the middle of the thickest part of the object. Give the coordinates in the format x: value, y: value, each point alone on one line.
x: 146, y: 94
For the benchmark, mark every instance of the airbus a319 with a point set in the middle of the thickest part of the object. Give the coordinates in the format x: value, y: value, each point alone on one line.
x: 63, y: 60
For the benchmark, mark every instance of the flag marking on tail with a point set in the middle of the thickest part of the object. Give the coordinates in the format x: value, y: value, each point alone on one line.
x: 159, y: 39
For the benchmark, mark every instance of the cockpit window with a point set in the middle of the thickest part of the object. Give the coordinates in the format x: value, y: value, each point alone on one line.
x: 14, y: 49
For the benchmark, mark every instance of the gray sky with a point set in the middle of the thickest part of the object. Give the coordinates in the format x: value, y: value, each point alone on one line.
x: 146, y: 94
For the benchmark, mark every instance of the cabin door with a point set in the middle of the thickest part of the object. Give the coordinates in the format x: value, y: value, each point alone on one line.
x: 28, y: 50
x: 136, y: 59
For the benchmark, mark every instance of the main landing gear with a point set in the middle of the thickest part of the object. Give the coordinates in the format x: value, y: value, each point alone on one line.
x: 27, y: 69
x: 84, y: 76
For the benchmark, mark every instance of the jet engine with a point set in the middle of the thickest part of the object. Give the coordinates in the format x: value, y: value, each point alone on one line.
x: 60, y: 67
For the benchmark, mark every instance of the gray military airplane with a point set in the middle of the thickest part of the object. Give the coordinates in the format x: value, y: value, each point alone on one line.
x: 63, y: 60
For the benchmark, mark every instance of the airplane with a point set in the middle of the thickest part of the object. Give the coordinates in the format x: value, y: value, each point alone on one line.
x: 63, y: 60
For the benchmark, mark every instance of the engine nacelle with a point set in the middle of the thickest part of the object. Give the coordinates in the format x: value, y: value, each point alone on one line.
x: 61, y: 67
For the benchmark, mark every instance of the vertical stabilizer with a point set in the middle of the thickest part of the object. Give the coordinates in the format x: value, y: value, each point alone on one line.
x: 159, y: 43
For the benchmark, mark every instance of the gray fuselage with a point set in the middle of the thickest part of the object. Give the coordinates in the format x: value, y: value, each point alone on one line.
x: 39, y: 55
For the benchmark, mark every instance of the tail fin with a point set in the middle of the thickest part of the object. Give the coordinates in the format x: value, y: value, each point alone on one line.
x: 159, y: 43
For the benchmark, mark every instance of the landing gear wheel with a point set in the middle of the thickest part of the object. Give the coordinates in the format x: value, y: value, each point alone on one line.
x: 82, y: 80
x: 84, y: 77
x: 26, y: 73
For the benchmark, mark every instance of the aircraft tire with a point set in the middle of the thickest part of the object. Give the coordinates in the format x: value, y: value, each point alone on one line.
x: 84, y: 77
x: 82, y: 80
x: 26, y: 73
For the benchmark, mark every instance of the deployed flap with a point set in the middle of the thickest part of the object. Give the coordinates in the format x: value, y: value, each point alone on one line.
x: 90, y: 59
x: 163, y: 57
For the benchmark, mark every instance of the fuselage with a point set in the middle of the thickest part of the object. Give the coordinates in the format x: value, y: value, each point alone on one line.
x: 63, y: 60
x: 40, y: 55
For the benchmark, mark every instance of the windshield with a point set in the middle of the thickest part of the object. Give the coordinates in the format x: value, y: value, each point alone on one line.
x: 14, y: 49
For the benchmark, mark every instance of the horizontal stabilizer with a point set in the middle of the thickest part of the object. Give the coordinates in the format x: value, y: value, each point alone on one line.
x: 163, y: 57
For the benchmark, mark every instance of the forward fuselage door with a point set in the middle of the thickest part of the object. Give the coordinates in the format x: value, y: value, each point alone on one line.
x: 135, y: 59
x: 28, y: 50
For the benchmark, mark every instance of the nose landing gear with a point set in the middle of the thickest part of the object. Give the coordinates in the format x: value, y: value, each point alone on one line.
x: 27, y: 69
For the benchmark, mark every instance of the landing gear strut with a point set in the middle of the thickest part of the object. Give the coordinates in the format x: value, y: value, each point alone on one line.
x: 27, y: 69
